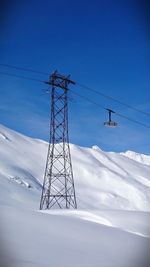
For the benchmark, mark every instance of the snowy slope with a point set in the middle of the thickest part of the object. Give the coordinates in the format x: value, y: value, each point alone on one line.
x: 101, y: 233
x: 145, y: 159
x: 102, y: 179
x: 74, y: 239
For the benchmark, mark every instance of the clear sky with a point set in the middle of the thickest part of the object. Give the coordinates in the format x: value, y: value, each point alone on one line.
x: 103, y: 44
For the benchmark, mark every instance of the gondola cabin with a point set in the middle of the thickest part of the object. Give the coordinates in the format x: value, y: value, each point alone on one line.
x: 110, y: 123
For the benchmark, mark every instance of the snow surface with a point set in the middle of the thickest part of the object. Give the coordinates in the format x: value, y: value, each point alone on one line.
x: 145, y: 159
x: 110, y: 227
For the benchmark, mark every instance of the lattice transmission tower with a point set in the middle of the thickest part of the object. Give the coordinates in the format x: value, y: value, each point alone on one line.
x: 58, y: 186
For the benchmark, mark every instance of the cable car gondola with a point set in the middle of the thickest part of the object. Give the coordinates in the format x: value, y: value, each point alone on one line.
x: 110, y: 123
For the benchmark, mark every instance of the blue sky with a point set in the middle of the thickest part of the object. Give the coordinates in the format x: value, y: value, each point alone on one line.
x: 102, y: 44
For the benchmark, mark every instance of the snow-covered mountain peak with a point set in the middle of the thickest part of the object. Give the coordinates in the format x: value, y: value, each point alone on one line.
x: 95, y: 147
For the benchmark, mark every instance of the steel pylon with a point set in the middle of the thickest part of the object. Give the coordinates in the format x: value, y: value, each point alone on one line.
x: 58, y: 186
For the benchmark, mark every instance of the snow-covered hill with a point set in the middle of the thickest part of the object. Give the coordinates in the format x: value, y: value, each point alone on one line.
x: 100, y: 233
x: 102, y: 179
x: 145, y: 159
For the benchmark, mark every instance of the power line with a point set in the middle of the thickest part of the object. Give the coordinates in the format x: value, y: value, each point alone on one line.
x: 81, y: 85
x: 89, y: 100
x: 86, y: 98
x: 118, y: 114
x: 132, y: 120
x: 23, y: 69
x: 22, y: 77
x: 113, y: 99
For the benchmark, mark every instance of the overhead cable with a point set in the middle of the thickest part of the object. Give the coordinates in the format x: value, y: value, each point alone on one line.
x: 83, y: 86
x: 113, y: 99
x: 19, y: 76
x: 118, y: 114
x: 23, y: 69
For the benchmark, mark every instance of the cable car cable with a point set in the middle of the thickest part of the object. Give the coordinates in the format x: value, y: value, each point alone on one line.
x: 113, y: 99
x: 23, y: 69
x: 118, y: 114
x: 83, y: 86
x: 19, y: 76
